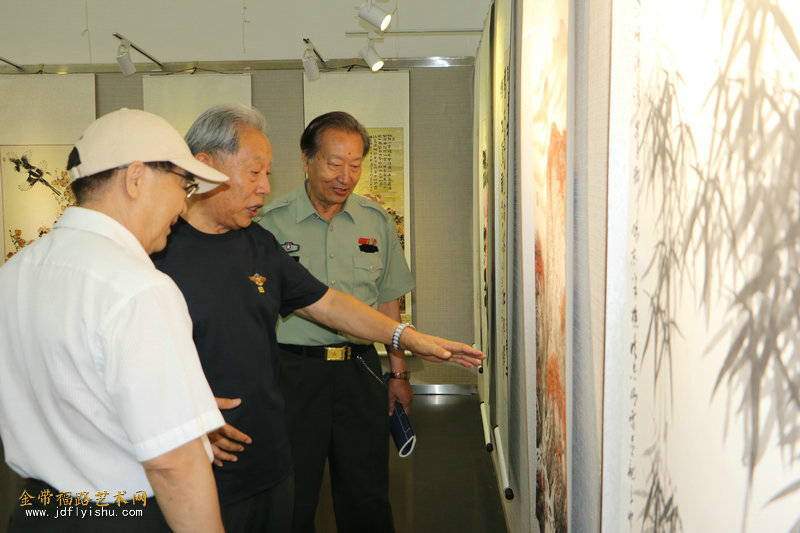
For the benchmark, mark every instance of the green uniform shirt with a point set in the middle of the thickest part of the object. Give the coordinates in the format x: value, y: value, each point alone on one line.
x: 358, y: 252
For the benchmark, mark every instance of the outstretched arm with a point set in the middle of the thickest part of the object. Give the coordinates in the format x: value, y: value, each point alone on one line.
x: 345, y: 313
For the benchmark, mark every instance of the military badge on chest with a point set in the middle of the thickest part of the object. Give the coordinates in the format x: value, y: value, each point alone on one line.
x: 259, y: 280
x: 368, y: 245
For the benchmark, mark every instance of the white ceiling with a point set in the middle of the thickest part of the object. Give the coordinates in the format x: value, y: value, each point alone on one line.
x: 54, y: 32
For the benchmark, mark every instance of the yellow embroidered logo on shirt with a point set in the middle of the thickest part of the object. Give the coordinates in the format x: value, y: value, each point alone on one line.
x: 259, y: 280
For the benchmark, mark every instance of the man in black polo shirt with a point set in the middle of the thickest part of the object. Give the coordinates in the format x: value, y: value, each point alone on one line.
x: 236, y: 280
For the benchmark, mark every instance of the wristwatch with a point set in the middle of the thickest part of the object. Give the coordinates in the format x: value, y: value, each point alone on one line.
x: 400, y: 375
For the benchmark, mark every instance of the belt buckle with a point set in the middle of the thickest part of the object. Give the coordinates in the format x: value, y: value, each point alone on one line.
x: 337, y: 353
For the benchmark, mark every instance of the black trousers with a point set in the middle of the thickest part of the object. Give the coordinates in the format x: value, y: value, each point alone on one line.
x: 336, y: 410
x: 44, y: 516
x: 269, y: 511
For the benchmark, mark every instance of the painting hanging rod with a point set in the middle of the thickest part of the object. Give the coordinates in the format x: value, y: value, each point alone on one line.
x: 508, y: 492
x: 4, y: 60
x: 486, y: 433
x: 145, y: 54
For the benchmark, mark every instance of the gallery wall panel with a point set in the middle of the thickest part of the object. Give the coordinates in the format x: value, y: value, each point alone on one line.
x: 45, y: 109
x: 181, y: 98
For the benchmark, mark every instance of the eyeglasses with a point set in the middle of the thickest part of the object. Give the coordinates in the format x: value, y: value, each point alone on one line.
x: 190, y: 187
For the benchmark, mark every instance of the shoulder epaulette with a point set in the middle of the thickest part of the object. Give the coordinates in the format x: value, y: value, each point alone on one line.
x: 366, y: 202
x: 284, y: 201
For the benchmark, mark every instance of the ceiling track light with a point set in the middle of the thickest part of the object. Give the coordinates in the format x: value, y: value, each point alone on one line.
x: 310, y: 57
x: 310, y: 65
x: 372, y: 58
x: 124, y: 55
x: 124, y: 58
x: 375, y: 16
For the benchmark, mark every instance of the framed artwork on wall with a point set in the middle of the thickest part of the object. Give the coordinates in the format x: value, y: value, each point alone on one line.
x: 702, y: 414
x: 543, y: 172
x: 35, y: 192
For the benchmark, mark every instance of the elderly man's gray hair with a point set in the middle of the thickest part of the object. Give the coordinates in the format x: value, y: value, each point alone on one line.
x: 216, y: 131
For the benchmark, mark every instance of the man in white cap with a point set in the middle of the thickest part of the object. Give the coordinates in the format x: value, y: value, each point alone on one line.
x: 104, y: 407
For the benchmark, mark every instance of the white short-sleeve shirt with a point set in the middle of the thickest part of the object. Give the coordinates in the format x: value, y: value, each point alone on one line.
x: 98, y: 371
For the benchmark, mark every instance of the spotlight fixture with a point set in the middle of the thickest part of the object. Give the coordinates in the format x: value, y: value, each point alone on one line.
x: 375, y: 15
x: 310, y: 65
x: 124, y: 55
x: 310, y: 57
x: 372, y: 58
x: 124, y: 58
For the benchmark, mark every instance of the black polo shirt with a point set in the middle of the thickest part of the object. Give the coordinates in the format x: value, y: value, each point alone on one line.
x: 235, y: 285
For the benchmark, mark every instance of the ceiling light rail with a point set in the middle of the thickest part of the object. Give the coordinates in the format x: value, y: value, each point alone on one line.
x: 234, y: 67
x: 401, y: 33
x: 9, y: 62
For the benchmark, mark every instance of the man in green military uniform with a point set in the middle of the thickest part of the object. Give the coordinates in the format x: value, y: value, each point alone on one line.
x: 335, y: 403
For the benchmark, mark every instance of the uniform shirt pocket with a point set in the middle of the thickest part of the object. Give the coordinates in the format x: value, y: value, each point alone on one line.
x: 367, y: 271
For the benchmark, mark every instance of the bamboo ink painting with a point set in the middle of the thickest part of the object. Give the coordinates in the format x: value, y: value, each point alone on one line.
x: 713, y: 282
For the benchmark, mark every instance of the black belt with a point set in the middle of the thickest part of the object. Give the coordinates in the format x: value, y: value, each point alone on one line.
x: 336, y: 352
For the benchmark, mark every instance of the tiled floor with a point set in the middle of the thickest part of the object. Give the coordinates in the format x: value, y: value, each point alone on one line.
x: 447, y: 484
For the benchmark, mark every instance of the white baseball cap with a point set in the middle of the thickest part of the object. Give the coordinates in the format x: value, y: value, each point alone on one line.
x: 127, y: 135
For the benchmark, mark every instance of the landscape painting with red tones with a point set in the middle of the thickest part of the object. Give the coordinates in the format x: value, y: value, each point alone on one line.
x: 543, y: 158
